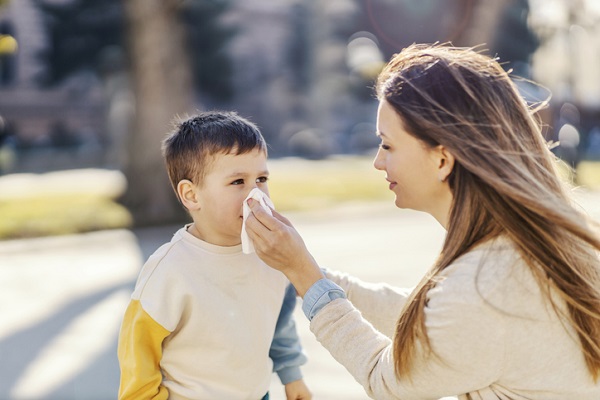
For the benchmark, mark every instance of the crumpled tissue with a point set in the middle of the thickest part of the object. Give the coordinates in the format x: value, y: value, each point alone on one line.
x: 266, y: 203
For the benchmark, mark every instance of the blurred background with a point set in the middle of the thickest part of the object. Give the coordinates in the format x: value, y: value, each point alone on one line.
x: 96, y: 83
x: 88, y: 88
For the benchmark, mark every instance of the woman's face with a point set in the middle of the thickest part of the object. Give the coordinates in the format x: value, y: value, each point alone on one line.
x: 412, y: 169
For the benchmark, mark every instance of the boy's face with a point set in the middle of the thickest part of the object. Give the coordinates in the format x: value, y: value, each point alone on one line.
x: 229, y: 180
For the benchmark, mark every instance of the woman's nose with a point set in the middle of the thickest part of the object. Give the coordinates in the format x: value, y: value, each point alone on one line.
x: 378, y: 162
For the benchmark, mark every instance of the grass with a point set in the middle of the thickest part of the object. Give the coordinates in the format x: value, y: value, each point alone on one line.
x: 64, y: 202
x: 295, y: 184
x: 588, y: 174
x: 298, y: 184
x: 59, y: 215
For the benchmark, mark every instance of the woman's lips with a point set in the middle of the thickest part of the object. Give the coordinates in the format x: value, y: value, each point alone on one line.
x: 392, y: 184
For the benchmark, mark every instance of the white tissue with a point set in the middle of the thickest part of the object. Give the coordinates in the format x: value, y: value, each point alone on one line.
x: 266, y: 203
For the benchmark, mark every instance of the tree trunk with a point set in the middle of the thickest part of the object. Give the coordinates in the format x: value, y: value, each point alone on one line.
x: 162, y: 85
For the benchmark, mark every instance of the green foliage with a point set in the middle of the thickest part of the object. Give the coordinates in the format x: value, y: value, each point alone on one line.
x: 298, y: 53
x: 515, y: 42
x: 207, y: 42
x: 82, y: 33
x: 78, y: 33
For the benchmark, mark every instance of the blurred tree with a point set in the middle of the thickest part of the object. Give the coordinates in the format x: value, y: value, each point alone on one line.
x: 397, y: 24
x: 169, y: 46
x: 207, y: 38
x: 79, y: 32
x: 8, y: 50
x: 298, y: 51
x: 501, y: 27
x: 161, y: 80
x: 514, y: 41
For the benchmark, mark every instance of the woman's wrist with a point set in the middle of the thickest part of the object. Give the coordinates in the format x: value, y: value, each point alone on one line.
x: 303, y: 278
x: 319, y: 295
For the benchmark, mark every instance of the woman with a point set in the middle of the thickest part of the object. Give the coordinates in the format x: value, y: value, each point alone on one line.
x: 511, y: 308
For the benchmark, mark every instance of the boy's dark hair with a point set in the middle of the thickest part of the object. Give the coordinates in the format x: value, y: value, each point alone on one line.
x: 187, y: 148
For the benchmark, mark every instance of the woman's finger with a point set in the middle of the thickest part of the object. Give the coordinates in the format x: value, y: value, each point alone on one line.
x: 280, y: 246
x: 270, y: 222
x: 281, y: 218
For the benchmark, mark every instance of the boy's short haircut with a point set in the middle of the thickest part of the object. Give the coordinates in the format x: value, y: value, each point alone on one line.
x: 188, y: 148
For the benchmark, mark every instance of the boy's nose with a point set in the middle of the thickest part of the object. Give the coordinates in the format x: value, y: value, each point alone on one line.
x: 251, y: 188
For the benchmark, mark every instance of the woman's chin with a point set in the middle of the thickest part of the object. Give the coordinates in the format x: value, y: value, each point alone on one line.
x: 402, y: 204
x: 398, y: 202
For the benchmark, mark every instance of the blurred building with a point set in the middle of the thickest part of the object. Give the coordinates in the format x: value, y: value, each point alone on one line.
x: 293, y: 77
x: 303, y: 70
x: 41, y: 121
x: 568, y: 64
x: 258, y: 53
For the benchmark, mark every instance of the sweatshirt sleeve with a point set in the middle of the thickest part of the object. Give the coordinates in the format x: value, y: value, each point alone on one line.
x: 466, y: 335
x: 379, y: 303
x: 139, y: 352
x: 286, y: 350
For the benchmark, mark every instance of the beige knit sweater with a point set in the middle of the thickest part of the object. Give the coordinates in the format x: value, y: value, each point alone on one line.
x: 496, y: 335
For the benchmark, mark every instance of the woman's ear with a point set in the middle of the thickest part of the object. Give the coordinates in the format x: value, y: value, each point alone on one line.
x: 187, y: 195
x: 445, y: 163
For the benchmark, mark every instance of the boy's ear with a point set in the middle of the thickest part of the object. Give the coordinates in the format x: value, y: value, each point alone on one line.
x: 445, y: 163
x: 187, y: 195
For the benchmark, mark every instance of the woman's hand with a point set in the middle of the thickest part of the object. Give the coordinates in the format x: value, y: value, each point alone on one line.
x: 279, y: 245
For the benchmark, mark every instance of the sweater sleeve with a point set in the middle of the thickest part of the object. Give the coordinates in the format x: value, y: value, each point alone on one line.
x: 286, y: 350
x: 466, y: 336
x: 139, y: 352
x: 379, y: 303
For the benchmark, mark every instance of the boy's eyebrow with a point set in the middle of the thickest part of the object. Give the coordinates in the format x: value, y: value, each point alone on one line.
x: 240, y: 173
x: 379, y: 133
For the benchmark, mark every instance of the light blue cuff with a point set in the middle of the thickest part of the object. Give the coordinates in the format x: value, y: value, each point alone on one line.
x: 321, y: 293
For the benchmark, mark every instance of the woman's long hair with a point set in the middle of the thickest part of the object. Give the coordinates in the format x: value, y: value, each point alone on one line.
x: 505, y: 181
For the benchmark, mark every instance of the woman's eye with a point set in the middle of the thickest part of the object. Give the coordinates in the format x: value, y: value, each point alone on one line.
x: 238, y: 182
x: 262, y: 179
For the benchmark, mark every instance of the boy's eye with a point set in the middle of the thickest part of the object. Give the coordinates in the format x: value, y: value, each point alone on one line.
x: 384, y: 146
x: 238, y: 182
x: 262, y: 179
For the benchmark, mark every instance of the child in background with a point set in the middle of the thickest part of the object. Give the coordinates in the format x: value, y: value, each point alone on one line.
x: 207, y: 321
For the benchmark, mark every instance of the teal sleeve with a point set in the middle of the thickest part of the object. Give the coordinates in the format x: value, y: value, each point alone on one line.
x: 286, y: 350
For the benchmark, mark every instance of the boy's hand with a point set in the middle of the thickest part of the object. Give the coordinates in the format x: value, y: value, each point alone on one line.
x: 297, y: 390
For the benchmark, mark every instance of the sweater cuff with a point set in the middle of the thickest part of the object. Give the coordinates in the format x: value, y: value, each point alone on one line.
x: 319, y: 295
x: 289, y: 374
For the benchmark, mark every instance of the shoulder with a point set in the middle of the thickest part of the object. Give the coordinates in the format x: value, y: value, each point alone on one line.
x: 467, y: 311
x: 163, y: 287
x: 493, y: 277
x: 487, y: 262
x: 162, y: 265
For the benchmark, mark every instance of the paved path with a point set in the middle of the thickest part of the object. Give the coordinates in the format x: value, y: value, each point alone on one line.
x: 62, y: 298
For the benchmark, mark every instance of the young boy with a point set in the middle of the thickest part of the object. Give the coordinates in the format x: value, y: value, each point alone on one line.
x: 207, y: 321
